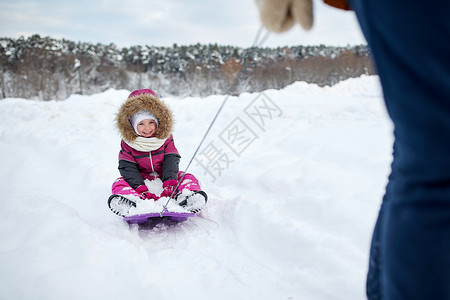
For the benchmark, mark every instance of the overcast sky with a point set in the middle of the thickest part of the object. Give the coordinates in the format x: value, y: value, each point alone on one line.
x: 165, y: 22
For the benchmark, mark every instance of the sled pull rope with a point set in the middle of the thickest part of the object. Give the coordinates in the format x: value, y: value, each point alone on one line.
x: 257, y: 43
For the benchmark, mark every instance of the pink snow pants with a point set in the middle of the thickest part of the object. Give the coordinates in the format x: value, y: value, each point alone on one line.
x: 188, y: 182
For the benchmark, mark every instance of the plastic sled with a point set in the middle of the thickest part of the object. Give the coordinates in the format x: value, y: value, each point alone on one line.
x: 174, y: 216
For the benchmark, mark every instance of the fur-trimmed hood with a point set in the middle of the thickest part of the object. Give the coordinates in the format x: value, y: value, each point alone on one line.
x: 144, y: 100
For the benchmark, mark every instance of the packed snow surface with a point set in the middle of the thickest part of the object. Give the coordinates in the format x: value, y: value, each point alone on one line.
x: 295, y: 178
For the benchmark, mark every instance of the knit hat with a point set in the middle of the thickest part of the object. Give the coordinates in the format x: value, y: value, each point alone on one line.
x: 142, y: 115
x: 141, y: 92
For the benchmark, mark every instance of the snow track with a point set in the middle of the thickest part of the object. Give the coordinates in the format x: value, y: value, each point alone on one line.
x: 289, y: 216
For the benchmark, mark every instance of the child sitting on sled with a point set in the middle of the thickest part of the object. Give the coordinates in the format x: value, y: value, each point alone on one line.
x: 148, y: 152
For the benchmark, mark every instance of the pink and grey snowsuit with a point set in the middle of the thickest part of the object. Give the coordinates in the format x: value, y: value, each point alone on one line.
x: 136, y: 165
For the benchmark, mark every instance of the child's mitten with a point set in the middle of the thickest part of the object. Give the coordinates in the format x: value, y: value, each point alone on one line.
x: 143, y: 190
x: 169, y: 188
x: 150, y: 196
x: 281, y: 15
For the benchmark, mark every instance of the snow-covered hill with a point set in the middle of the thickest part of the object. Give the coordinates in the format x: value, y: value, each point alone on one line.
x: 295, y: 178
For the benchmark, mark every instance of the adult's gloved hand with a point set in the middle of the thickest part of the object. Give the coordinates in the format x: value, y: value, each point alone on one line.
x: 169, y: 188
x: 281, y: 15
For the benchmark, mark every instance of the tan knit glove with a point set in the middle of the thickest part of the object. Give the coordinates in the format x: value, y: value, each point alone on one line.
x: 281, y: 15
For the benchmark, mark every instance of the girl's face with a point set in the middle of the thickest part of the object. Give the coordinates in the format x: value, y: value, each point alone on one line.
x: 146, y: 128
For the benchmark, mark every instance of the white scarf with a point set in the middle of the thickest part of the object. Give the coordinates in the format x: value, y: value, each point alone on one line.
x: 146, y: 144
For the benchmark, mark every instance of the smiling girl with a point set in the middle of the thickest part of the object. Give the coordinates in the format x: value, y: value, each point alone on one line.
x: 148, y: 152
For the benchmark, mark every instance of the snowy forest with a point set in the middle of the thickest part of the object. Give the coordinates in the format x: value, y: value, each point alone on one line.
x: 45, y: 68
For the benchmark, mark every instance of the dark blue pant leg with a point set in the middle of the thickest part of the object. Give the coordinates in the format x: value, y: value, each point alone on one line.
x: 373, y: 284
x: 410, y: 44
